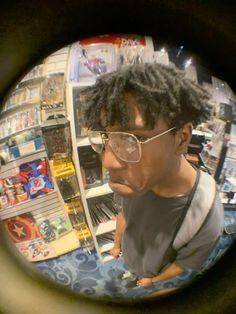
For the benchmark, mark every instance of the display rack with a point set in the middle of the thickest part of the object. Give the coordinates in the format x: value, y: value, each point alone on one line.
x: 91, y: 192
x: 50, y: 206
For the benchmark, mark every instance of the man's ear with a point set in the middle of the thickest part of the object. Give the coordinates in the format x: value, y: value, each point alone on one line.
x: 183, y: 138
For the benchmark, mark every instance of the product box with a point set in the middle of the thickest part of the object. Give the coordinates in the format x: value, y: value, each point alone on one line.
x: 57, y: 138
x: 62, y: 168
x: 91, y: 167
x: 68, y: 187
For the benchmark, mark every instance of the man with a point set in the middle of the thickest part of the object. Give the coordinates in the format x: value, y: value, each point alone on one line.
x: 140, y: 120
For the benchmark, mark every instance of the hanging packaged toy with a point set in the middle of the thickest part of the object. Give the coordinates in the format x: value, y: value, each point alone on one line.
x: 96, y: 59
x: 57, y: 138
x: 35, y: 177
x: 46, y: 230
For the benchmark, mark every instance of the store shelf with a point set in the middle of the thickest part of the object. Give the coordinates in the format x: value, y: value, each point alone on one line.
x: 82, y: 141
x: 38, y: 151
x: 98, y: 191
x: 18, y: 132
x: 105, y: 227
x: 31, y: 81
x: 44, y: 201
x: 106, y: 247
x: 19, y: 106
x: 10, y: 167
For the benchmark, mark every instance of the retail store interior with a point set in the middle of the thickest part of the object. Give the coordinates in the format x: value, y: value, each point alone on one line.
x: 55, y: 202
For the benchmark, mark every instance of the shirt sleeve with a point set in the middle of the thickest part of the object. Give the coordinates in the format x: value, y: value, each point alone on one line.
x: 195, y: 253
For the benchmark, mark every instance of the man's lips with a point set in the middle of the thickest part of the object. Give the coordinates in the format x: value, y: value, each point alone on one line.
x: 118, y: 181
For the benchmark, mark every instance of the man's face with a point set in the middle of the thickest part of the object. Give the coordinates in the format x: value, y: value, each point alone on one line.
x: 158, y: 160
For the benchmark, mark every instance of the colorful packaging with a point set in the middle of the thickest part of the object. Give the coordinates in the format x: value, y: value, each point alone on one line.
x: 35, y: 177
x: 46, y: 231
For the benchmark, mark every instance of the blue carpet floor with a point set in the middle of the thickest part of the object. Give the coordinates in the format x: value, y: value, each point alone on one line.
x: 84, y: 273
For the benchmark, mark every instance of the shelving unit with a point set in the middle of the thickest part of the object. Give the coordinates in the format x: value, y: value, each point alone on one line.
x: 52, y: 203
x: 89, y: 193
x: 11, y: 166
x: 27, y: 96
x: 48, y: 201
x: 105, y: 227
x: 98, y: 191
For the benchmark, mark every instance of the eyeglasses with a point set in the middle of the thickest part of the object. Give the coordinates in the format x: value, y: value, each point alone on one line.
x: 125, y: 146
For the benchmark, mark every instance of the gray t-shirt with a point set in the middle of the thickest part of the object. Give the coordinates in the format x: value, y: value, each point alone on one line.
x: 151, y: 225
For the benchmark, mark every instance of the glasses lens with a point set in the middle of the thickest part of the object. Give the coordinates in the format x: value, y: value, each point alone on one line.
x: 125, y: 146
x: 96, y: 141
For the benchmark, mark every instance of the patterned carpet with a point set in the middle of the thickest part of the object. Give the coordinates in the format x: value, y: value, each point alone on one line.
x: 84, y: 273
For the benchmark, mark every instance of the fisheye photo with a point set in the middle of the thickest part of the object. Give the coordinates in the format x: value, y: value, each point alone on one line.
x: 118, y: 167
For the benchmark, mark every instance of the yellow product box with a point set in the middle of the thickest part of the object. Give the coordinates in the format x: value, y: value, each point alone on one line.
x: 62, y: 168
x: 73, y: 206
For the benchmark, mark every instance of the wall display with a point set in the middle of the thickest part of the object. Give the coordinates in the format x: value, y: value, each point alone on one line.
x: 26, y: 182
x: 94, y: 56
x: 32, y: 179
x: 16, y: 122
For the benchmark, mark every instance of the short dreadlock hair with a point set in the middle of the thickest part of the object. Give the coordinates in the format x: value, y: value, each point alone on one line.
x: 158, y: 90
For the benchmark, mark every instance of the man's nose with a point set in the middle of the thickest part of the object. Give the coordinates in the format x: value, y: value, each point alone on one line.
x: 110, y: 160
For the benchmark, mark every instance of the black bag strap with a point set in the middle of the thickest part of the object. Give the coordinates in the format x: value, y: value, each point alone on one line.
x: 186, y: 206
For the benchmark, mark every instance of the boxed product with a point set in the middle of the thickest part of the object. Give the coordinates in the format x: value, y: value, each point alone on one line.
x: 35, y: 177
x: 91, y: 167
x: 57, y: 137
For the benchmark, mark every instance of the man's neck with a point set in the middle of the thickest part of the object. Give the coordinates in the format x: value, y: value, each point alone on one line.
x: 180, y: 182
